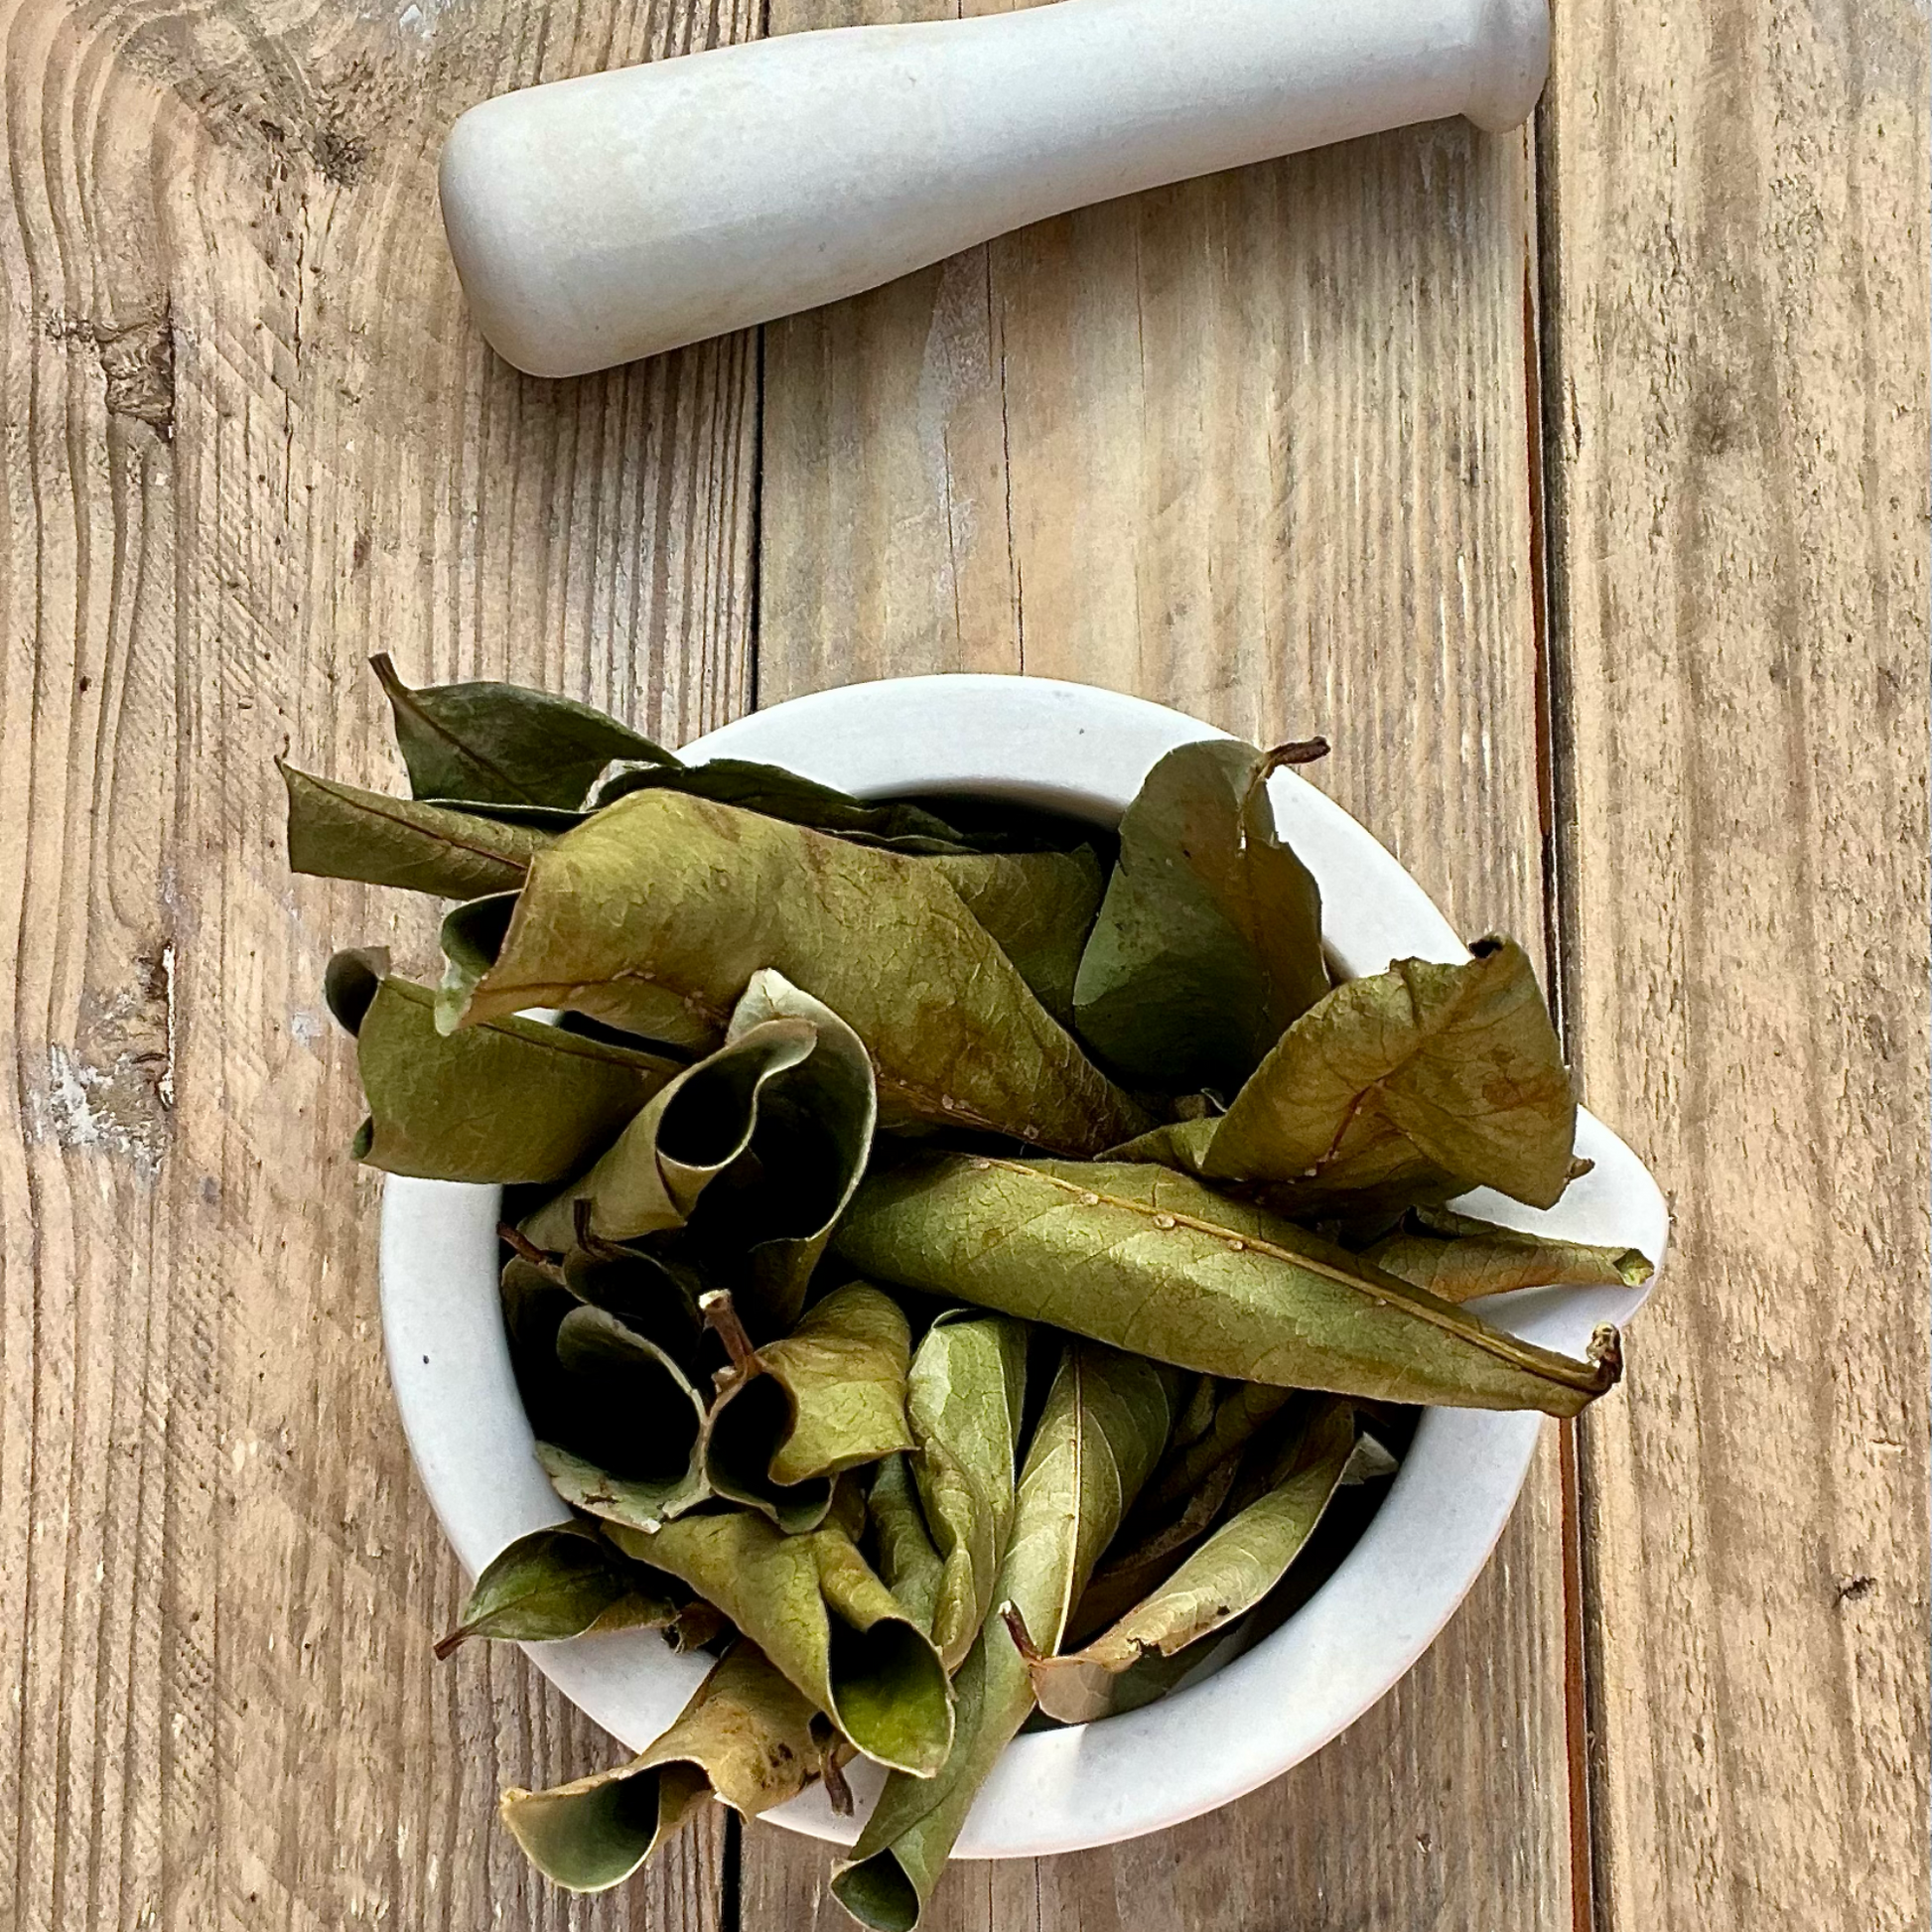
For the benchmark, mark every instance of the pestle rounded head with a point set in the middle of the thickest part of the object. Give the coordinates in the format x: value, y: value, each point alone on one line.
x: 1509, y: 63
x: 493, y: 215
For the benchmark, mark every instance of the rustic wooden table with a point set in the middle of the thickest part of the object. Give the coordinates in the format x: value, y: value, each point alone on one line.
x: 1572, y: 483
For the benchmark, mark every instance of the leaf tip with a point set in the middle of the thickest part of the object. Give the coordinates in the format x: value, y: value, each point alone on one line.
x: 1605, y: 1356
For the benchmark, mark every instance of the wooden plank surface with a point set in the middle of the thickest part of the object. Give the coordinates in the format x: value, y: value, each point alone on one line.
x: 1266, y: 446
x: 1737, y: 437
x: 251, y: 437
x: 1256, y: 447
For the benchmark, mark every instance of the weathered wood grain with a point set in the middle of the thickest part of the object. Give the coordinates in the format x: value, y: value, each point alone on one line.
x: 1736, y: 310
x: 249, y: 438
x: 1257, y: 447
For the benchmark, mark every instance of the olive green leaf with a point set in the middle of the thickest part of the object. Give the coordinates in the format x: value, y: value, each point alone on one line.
x: 964, y: 1398
x: 339, y: 831
x: 613, y: 1392
x: 1198, y: 1411
x: 559, y: 1583
x: 774, y: 792
x: 814, y: 1606
x: 908, y: 1562
x: 1458, y: 1256
x: 903, y: 1848
x: 630, y: 1423
x: 633, y: 1502
x: 1158, y: 1263
x: 782, y: 1116
x: 1100, y: 1432
x: 513, y: 1100
x: 1222, y: 1580
x: 745, y: 1738
x: 826, y: 1398
x: 654, y: 1296
x: 844, y: 1368
x: 1040, y: 906
x: 503, y: 743
x: 651, y: 1176
x: 1140, y: 1561
x: 1208, y: 943
x: 811, y: 1144
x: 833, y: 1399
x: 1405, y: 1087
x: 1238, y: 1415
x: 652, y: 915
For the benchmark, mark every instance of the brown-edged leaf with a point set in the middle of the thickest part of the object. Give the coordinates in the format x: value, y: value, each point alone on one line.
x: 1158, y: 1263
x: 653, y: 915
x: 1409, y: 1087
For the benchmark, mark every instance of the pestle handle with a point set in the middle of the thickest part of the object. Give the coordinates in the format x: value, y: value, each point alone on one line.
x: 598, y: 219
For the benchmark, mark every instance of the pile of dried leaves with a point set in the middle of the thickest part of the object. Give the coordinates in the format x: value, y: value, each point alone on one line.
x: 952, y: 1262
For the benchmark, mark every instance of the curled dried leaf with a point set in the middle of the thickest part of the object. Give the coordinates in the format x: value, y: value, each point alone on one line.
x: 964, y: 1400
x: 1407, y: 1086
x: 514, y: 1100
x: 826, y: 1398
x: 746, y: 1739
x: 1458, y: 1256
x: 814, y: 1606
x: 1222, y: 1580
x: 754, y: 1151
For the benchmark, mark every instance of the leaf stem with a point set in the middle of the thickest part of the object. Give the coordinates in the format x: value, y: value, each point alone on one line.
x: 525, y: 1249
x: 721, y: 1318
x: 1018, y: 1631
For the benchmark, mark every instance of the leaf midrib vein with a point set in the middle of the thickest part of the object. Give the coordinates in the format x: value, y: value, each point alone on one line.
x: 1505, y: 1347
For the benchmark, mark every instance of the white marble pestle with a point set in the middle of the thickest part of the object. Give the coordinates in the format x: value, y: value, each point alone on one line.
x: 607, y: 218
